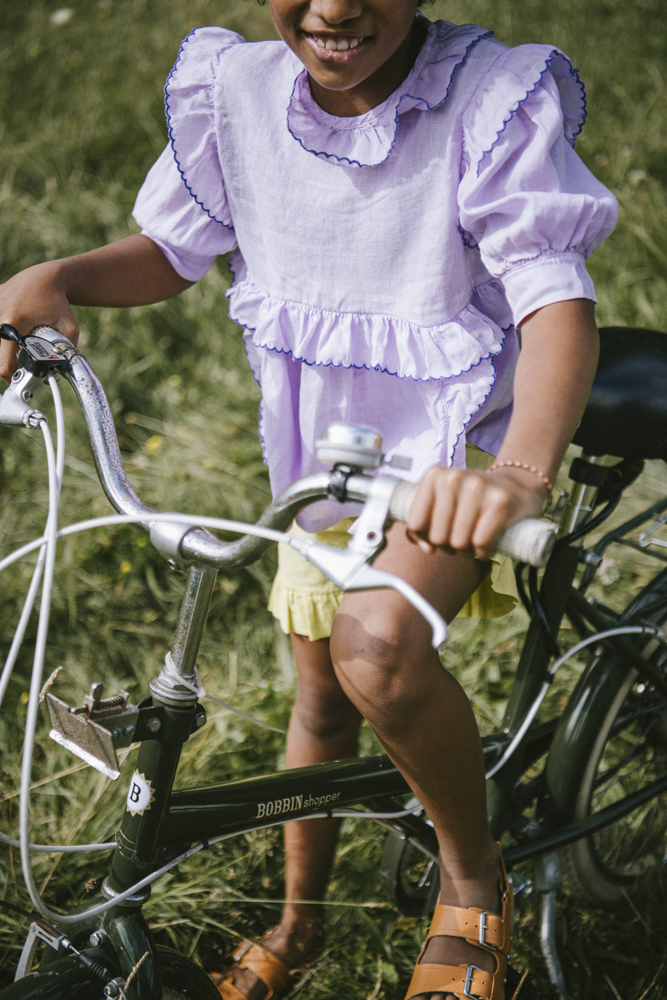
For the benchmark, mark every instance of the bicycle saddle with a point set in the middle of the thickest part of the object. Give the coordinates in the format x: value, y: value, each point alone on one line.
x: 626, y: 414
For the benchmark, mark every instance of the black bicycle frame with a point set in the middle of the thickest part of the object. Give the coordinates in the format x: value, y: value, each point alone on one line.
x: 172, y: 820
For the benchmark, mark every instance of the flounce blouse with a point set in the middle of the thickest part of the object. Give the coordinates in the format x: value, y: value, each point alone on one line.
x: 382, y: 263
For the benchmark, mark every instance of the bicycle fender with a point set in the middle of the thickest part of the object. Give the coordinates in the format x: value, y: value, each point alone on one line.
x: 577, y: 732
x: 131, y: 939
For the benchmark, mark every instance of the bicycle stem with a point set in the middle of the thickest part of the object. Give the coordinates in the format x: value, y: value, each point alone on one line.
x: 139, y: 836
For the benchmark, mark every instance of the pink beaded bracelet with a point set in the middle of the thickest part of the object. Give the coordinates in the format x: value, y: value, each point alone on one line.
x: 528, y: 468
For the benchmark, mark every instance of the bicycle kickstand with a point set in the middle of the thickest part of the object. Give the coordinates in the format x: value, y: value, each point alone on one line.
x: 547, y: 882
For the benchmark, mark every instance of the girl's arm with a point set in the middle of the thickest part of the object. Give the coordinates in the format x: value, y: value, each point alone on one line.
x: 131, y: 272
x: 554, y: 374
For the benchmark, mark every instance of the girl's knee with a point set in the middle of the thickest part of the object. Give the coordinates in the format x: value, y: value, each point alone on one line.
x: 381, y: 663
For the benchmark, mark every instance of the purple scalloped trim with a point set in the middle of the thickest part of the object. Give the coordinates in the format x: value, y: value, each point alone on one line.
x: 170, y: 131
x: 332, y: 364
x: 243, y: 327
x: 574, y: 71
x: 421, y: 100
x: 584, y: 108
x: 382, y: 371
x: 450, y: 457
x: 464, y: 237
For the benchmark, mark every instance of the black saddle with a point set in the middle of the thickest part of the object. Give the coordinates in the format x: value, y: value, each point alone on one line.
x: 626, y: 414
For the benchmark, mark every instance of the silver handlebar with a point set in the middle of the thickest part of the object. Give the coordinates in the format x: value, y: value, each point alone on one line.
x: 385, y: 499
x: 177, y: 541
x: 529, y: 541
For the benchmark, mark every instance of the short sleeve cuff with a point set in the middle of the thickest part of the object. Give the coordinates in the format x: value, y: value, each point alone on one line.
x: 190, y: 266
x: 553, y: 278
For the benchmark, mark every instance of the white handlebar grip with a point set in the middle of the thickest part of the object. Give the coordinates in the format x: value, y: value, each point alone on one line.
x: 401, y: 502
x: 530, y: 541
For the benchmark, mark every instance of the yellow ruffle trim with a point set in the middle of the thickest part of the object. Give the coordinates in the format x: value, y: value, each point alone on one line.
x: 302, y: 599
x: 305, y: 602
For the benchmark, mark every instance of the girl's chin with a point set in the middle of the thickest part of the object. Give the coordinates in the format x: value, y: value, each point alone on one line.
x: 335, y: 57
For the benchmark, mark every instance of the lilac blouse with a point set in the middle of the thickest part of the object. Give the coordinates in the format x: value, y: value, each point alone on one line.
x: 381, y: 263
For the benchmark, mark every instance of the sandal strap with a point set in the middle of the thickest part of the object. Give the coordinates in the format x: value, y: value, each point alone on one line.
x: 226, y: 987
x: 483, y: 928
x: 461, y: 980
x: 477, y: 926
x: 265, y: 965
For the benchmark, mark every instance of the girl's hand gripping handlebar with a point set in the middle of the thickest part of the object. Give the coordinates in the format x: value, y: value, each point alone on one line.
x: 529, y: 541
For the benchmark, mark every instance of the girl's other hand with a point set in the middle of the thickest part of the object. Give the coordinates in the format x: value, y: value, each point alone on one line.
x: 34, y: 297
x: 466, y: 509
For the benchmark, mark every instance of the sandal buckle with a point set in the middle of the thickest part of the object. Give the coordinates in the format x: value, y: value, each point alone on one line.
x: 469, y: 981
x: 483, y: 928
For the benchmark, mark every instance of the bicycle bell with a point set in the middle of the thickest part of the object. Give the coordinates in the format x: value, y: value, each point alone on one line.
x: 356, y: 446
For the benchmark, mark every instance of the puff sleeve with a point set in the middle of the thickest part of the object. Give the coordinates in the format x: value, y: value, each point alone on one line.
x: 182, y: 205
x: 526, y: 201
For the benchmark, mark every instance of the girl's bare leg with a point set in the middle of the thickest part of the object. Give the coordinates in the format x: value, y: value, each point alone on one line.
x: 324, y: 726
x: 385, y: 665
x: 384, y: 661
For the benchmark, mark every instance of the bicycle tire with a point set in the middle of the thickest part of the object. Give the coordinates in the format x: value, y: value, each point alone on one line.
x: 183, y: 979
x: 628, y: 752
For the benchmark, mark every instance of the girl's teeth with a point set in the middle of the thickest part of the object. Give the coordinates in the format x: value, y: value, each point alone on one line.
x: 342, y: 46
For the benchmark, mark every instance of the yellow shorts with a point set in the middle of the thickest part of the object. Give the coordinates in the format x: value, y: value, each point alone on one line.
x: 305, y: 601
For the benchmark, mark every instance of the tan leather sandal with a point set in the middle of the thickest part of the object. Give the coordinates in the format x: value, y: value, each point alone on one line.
x: 482, y: 928
x: 264, y: 964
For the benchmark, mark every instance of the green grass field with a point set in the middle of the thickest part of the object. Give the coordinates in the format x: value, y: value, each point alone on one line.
x: 81, y: 121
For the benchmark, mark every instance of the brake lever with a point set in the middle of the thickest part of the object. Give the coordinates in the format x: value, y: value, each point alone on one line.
x: 350, y: 571
x: 14, y: 407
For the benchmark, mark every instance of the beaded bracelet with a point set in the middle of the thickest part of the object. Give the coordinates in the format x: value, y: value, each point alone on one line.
x: 528, y: 468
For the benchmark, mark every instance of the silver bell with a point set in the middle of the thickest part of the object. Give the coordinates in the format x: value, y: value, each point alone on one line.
x: 356, y: 446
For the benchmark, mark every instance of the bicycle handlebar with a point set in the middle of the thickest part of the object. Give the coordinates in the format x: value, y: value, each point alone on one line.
x: 529, y: 541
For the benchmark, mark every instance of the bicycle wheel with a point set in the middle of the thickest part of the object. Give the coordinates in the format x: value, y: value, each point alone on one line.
x: 183, y: 979
x: 629, y: 753
x: 411, y: 877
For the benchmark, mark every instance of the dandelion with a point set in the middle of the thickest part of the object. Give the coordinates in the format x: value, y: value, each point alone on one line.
x: 154, y: 444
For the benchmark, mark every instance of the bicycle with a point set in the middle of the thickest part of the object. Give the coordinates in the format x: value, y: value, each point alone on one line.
x: 619, y: 699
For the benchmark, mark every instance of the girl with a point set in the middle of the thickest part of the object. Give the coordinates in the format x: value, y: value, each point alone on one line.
x: 401, y: 197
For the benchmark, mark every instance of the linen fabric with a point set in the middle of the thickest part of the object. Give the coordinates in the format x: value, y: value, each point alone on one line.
x: 383, y: 263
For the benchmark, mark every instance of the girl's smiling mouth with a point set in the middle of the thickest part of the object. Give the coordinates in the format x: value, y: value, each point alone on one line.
x: 336, y: 48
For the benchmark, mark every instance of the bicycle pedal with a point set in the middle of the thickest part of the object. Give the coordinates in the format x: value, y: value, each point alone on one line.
x: 95, y: 730
x: 517, y: 987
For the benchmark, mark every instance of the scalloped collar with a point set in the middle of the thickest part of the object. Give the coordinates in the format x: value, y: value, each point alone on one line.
x: 367, y: 140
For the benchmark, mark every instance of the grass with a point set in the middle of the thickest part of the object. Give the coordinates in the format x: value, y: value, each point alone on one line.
x: 81, y: 121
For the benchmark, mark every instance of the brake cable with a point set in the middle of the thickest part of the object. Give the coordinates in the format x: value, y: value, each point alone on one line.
x: 59, y: 941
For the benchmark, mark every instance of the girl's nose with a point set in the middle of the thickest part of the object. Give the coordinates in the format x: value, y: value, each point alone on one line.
x: 336, y: 11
